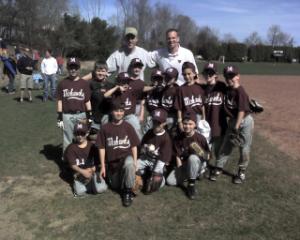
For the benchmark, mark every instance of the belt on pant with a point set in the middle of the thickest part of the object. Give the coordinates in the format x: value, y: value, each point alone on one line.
x: 73, y: 112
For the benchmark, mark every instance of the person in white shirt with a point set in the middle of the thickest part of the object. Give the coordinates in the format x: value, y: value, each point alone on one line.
x: 173, y: 55
x: 49, y: 69
x: 120, y: 60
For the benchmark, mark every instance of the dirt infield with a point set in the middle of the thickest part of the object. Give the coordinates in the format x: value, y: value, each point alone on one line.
x: 280, y: 122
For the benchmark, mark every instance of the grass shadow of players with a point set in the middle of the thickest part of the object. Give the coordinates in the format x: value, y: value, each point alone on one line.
x: 54, y: 153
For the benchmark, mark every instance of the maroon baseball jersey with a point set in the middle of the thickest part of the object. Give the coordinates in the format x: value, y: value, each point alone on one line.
x: 182, y: 144
x: 81, y: 157
x: 162, y: 143
x: 117, y: 140
x: 153, y: 100
x: 168, y: 98
x: 236, y: 100
x: 214, y: 108
x: 129, y: 99
x: 190, y: 98
x: 74, y: 95
x: 137, y: 88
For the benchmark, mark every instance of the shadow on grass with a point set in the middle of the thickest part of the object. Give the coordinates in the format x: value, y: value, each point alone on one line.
x: 54, y: 153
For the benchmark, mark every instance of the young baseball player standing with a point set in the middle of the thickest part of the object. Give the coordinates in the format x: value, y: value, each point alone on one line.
x: 156, y: 152
x: 169, y: 96
x: 73, y: 101
x: 214, y: 106
x: 240, y: 125
x: 100, y: 105
x: 117, y: 142
x: 81, y: 157
x: 190, y: 95
x: 123, y: 93
x: 188, y: 163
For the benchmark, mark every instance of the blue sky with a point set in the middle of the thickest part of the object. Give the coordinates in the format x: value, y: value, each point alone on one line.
x: 239, y: 17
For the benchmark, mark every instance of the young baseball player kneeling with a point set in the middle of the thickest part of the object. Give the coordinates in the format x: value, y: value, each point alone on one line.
x: 240, y: 126
x: 191, y: 151
x: 117, y: 142
x: 156, y: 152
x: 81, y: 157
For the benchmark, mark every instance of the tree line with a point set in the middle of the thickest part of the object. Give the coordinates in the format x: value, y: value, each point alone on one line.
x: 60, y: 25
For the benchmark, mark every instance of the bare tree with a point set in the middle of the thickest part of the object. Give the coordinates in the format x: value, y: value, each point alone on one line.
x: 229, y: 38
x: 93, y: 8
x: 253, y: 39
x: 276, y: 37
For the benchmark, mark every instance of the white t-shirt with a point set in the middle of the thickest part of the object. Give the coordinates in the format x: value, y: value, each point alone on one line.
x: 49, y: 66
x: 119, y: 61
x: 164, y: 60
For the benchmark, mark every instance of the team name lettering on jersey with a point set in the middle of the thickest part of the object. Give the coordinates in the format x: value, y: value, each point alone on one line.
x: 153, y: 102
x: 71, y: 94
x: 118, y: 143
x: 128, y: 104
x: 192, y: 101
x: 167, y: 102
x: 231, y: 103
x: 214, y: 100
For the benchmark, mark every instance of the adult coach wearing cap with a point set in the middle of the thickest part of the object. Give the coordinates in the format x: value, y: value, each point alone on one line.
x: 120, y: 60
x: 73, y: 101
x: 173, y: 55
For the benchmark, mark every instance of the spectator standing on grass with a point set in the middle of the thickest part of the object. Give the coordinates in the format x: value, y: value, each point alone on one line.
x: 49, y: 69
x: 173, y: 55
x: 120, y: 60
x: 25, y: 66
x: 10, y: 69
x: 60, y: 62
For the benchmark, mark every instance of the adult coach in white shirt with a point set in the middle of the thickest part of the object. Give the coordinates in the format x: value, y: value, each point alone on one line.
x: 119, y: 60
x: 173, y: 55
x: 49, y: 69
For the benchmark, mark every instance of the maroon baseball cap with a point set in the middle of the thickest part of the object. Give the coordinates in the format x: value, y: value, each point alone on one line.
x: 188, y: 65
x: 209, y: 67
x: 81, y: 128
x: 123, y: 78
x: 136, y: 62
x: 159, y: 115
x: 156, y: 74
x: 230, y: 71
x: 171, y: 73
x: 116, y: 105
x: 73, y: 61
x: 189, y: 115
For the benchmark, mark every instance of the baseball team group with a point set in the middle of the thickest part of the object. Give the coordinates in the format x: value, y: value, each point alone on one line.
x: 133, y: 135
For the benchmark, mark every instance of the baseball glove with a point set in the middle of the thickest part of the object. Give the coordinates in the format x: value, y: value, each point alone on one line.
x: 153, y: 183
x: 198, y: 150
x: 138, y: 184
x: 236, y: 138
x: 255, y: 107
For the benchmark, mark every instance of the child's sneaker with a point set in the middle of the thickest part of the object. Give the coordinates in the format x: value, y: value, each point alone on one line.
x: 215, y: 173
x: 240, y: 177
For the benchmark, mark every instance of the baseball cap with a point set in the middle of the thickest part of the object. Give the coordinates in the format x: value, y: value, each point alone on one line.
x: 81, y: 128
x: 209, y: 68
x: 171, y: 73
x: 116, y: 105
x: 159, y: 115
x: 230, y: 71
x: 73, y: 61
x: 189, y: 115
x: 188, y: 65
x: 136, y: 62
x: 156, y: 74
x: 123, y: 78
x: 131, y: 30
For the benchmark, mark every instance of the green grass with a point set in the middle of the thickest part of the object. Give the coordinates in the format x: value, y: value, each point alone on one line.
x: 37, y: 204
x: 260, y: 68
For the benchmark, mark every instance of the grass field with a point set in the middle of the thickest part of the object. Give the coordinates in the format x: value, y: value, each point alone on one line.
x: 261, y: 68
x: 36, y: 203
